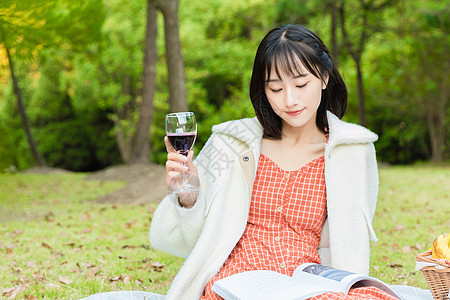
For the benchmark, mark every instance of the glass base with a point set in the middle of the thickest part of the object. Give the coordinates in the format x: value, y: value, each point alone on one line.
x: 184, y: 189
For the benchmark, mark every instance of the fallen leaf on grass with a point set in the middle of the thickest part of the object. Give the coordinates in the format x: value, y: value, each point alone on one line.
x: 18, y: 231
x: 85, y: 216
x: 130, y: 223
x: 50, y: 217
x: 146, y: 260
x: 399, y: 227
x: 395, y: 266
x: 38, y: 277
x: 11, y: 293
x: 86, y: 265
x: 56, y: 254
x: 146, y: 247
x: 30, y: 297
x: 395, y: 246
x: 121, y: 236
x: 31, y: 264
x: 70, y: 244
x: 406, y: 249
x: 9, y: 248
x: 156, y: 266
x: 102, y: 261
x: 45, y: 245
x: 418, y: 246
x: 16, y: 270
x: 20, y: 281
x: 138, y: 282
x: 93, y: 272
x: 64, y: 280
x: 125, y: 278
x: 87, y: 230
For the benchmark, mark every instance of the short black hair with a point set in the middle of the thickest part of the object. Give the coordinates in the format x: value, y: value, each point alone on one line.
x: 283, y: 48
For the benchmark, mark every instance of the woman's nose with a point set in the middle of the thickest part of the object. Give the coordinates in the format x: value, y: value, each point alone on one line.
x: 291, y: 98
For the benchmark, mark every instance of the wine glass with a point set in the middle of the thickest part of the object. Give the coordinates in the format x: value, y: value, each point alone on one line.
x: 181, y: 129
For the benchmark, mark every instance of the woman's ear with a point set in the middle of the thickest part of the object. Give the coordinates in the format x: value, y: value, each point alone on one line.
x: 325, y: 81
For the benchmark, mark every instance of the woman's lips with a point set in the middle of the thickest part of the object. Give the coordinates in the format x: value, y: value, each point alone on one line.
x: 294, y: 112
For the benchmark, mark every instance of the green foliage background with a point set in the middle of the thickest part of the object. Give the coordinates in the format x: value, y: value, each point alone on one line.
x: 81, y: 73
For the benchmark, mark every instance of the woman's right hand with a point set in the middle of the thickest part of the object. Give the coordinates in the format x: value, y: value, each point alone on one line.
x: 176, y: 165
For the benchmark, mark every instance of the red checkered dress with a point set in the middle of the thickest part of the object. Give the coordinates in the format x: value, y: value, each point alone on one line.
x: 287, y: 212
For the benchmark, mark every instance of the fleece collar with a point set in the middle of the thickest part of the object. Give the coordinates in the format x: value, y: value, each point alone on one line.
x: 347, y: 133
x: 250, y: 132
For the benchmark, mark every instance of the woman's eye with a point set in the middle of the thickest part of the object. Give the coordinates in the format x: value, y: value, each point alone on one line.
x: 302, y: 85
x: 275, y: 91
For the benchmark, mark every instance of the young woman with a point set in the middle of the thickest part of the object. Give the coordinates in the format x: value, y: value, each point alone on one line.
x: 293, y: 185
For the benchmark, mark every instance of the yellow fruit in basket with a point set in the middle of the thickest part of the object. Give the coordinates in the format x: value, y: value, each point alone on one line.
x: 441, y: 247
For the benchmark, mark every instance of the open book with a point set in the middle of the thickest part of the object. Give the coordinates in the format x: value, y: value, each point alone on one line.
x: 308, y: 280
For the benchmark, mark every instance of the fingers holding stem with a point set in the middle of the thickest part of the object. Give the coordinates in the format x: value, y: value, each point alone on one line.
x: 182, y: 175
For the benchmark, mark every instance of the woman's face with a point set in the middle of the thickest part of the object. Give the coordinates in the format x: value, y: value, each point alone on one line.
x: 295, y: 98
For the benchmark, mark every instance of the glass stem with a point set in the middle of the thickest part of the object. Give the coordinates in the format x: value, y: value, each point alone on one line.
x: 185, y: 178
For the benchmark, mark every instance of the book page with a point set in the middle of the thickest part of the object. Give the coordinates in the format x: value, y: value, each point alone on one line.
x: 269, y: 285
x: 345, y: 278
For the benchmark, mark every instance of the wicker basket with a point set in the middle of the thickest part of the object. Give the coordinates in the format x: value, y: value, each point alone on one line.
x: 438, y: 279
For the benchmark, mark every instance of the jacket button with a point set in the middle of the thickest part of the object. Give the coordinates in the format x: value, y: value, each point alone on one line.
x: 245, y: 158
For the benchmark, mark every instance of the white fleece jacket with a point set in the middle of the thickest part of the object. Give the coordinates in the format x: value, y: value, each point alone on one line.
x: 206, y: 233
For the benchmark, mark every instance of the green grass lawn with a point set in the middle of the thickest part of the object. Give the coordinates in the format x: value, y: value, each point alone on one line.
x: 413, y: 208
x: 57, y: 243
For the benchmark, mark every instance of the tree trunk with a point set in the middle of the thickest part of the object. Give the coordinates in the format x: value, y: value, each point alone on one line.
x: 356, y: 50
x: 23, y: 114
x: 437, y: 155
x: 141, y: 144
x: 122, y: 118
x: 175, y: 65
x: 436, y: 120
x: 334, y: 25
x: 435, y: 131
x: 361, y: 94
x: 124, y: 148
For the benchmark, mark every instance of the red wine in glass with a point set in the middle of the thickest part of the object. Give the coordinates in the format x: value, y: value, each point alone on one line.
x: 181, y: 130
x: 182, y: 142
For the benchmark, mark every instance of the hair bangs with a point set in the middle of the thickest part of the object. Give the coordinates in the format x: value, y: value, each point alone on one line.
x: 292, y: 59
